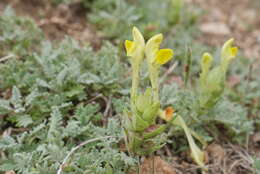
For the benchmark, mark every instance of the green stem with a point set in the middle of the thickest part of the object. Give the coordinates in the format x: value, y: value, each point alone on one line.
x: 197, y: 154
x: 153, y: 171
x: 139, y: 166
x: 135, y: 80
x: 154, y: 78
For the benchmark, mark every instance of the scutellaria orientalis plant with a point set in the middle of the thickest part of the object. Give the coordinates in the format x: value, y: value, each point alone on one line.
x: 141, y: 119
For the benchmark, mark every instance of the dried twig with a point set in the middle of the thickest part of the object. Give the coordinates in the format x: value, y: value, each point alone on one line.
x: 6, y: 57
x: 234, y: 164
x: 76, y: 148
x: 241, y: 158
x: 94, y: 98
x: 168, y: 151
x: 108, y: 106
x: 169, y: 71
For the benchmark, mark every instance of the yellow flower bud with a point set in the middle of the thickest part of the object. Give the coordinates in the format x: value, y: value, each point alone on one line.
x: 228, y: 52
x: 206, y: 62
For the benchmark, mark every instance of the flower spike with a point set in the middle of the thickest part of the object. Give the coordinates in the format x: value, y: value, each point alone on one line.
x: 206, y: 62
x: 228, y: 52
x: 135, y: 50
x: 155, y: 58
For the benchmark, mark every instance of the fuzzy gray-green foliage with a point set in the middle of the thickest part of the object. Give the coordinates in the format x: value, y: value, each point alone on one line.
x: 230, y: 115
x: 47, y: 92
x: 114, y: 17
x: 54, y: 96
x: 17, y: 34
x: 46, y: 145
x: 63, y: 74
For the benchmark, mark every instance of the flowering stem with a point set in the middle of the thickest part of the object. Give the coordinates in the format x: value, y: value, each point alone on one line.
x: 153, y: 171
x: 197, y: 154
x: 154, y: 73
x: 135, y: 80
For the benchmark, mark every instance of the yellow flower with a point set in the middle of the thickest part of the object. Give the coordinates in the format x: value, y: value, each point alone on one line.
x: 154, y: 53
x: 228, y: 52
x: 136, y: 47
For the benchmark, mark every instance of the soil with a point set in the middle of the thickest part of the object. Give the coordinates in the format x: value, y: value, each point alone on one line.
x: 224, y: 19
x: 220, y: 159
x: 57, y: 21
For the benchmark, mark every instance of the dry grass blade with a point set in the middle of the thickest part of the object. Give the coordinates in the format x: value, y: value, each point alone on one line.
x: 2, y: 59
x: 76, y: 148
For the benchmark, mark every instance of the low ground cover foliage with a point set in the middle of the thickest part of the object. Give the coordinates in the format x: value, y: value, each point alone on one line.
x: 53, y: 96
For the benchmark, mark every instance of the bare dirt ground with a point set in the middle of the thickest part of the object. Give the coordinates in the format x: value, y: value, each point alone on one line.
x: 231, y: 18
x: 220, y: 159
x: 57, y: 21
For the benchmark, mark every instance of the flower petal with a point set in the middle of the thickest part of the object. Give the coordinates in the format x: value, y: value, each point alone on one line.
x: 138, y: 37
x: 163, y: 56
x: 153, y: 46
x: 166, y: 114
x: 227, y: 45
x: 169, y: 113
x: 234, y: 51
x: 155, y: 41
x: 129, y: 46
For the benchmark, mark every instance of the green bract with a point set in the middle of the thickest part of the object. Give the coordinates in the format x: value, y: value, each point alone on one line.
x: 141, y: 126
